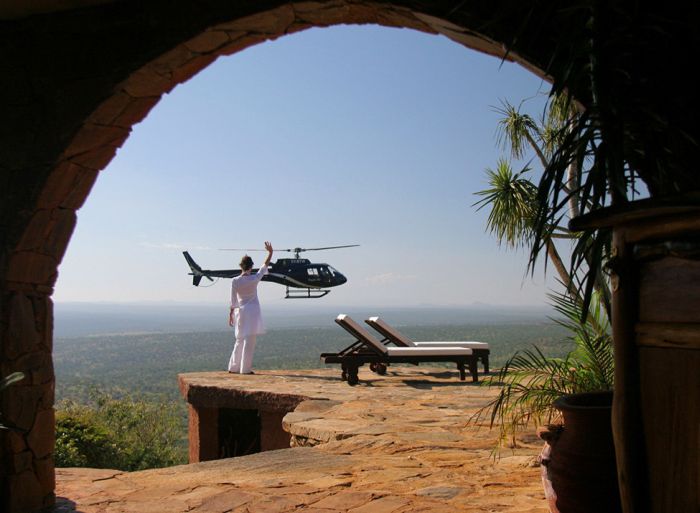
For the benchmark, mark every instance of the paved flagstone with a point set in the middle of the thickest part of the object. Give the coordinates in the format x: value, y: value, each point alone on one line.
x: 393, y: 444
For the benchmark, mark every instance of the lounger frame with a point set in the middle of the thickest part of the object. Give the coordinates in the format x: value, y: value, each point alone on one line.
x: 363, y: 352
x: 393, y: 336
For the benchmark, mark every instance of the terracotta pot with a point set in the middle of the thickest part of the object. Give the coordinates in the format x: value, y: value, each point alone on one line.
x: 578, y: 462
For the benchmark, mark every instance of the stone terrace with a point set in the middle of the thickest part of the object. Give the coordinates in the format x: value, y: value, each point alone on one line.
x: 395, y: 443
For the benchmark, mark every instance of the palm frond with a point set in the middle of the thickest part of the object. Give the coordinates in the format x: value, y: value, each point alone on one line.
x: 511, y: 198
x: 5, y: 383
x: 9, y: 380
x: 530, y: 381
x: 515, y: 129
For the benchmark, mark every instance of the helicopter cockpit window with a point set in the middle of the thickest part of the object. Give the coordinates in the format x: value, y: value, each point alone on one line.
x: 332, y: 270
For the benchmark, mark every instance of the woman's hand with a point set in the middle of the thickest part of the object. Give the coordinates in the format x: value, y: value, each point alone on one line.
x: 268, y: 247
x: 231, y: 318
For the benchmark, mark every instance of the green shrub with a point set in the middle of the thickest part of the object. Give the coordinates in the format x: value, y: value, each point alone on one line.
x: 120, y: 433
x: 82, y: 443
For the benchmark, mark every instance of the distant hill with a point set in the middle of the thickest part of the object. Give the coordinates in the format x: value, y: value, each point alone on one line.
x: 81, y: 319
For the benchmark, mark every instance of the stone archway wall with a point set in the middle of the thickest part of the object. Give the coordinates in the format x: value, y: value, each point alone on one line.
x: 79, y: 80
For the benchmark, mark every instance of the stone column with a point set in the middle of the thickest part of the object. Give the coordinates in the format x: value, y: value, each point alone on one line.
x: 203, y: 434
x: 27, y: 477
x: 27, y: 275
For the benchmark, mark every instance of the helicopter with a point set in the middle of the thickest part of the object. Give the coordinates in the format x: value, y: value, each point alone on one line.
x: 294, y: 273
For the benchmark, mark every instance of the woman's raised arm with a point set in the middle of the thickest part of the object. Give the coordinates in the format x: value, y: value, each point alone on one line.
x: 268, y: 247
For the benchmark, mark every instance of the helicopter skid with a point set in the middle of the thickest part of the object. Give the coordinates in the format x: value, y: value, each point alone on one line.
x: 305, y: 293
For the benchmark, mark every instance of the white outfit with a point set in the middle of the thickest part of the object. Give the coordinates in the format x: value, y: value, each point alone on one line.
x: 248, y: 319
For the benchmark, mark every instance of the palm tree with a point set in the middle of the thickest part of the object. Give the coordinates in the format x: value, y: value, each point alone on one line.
x: 530, y: 381
x: 515, y: 216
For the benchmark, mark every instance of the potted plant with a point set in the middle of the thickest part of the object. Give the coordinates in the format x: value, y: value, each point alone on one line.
x: 572, y: 396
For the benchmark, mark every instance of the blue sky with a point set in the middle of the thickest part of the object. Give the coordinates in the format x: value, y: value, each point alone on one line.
x: 345, y: 135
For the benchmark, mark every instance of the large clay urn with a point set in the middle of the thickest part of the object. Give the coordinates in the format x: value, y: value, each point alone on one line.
x: 579, y: 471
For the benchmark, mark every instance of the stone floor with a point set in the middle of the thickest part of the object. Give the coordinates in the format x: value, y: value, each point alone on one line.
x: 393, y: 444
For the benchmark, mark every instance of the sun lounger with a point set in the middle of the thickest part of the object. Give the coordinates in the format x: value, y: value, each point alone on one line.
x: 368, y: 349
x: 392, y: 335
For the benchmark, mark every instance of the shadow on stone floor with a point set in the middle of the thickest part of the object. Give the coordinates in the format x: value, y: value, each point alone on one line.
x: 312, y: 378
x: 64, y: 505
x: 451, y: 380
x: 427, y: 385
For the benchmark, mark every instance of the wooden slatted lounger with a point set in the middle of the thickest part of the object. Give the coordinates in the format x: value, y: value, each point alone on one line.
x: 481, y: 349
x: 368, y: 349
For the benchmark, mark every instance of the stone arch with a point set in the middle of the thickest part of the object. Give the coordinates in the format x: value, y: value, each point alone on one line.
x: 75, y: 112
x: 99, y: 135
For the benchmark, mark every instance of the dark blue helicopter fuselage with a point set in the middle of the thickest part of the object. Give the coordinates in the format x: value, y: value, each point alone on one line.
x: 302, y: 273
x: 291, y: 272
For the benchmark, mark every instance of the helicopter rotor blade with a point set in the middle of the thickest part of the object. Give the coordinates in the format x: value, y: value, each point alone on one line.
x: 242, y: 249
x: 292, y: 250
x: 299, y: 250
x: 254, y: 249
x: 331, y: 247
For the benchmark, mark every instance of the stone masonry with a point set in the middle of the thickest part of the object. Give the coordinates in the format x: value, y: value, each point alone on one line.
x: 27, y: 463
x: 393, y: 444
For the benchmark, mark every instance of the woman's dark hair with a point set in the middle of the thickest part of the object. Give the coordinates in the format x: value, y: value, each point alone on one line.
x: 246, y: 263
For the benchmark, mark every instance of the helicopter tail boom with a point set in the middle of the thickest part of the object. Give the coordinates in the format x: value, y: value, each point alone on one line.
x: 196, y: 273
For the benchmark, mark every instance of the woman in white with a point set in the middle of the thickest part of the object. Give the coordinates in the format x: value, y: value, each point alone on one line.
x: 245, y: 313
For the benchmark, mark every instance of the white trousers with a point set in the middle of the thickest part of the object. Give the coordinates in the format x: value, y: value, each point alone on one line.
x: 242, y: 356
